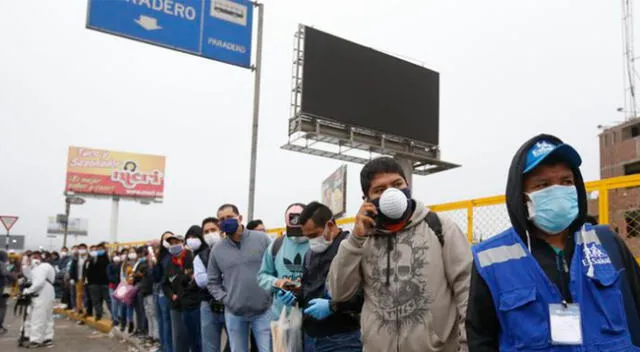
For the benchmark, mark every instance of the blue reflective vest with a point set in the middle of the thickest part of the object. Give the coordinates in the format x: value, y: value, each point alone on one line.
x: 522, y: 292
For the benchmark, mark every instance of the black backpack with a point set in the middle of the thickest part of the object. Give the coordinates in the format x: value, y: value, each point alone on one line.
x: 433, y: 221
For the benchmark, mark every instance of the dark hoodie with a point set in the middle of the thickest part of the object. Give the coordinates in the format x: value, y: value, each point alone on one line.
x: 482, y: 326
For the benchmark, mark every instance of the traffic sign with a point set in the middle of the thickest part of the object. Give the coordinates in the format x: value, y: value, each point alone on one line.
x: 75, y: 200
x: 8, y: 221
x: 217, y: 29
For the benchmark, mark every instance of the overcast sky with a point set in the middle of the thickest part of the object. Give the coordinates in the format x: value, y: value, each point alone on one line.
x: 508, y: 70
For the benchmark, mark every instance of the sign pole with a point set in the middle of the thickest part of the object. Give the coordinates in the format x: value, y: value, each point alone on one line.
x: 8, y: 221
x: 115, y: 209
x: 67, y: 211
x: 256, y: 113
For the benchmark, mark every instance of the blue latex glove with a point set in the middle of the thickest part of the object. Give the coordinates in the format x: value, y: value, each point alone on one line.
x: 285, y: 297
x: 319, y: 308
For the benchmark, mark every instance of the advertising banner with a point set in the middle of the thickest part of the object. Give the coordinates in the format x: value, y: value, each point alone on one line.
x: 104, y: 172
x: 334, y: 192
x: 77, y: 227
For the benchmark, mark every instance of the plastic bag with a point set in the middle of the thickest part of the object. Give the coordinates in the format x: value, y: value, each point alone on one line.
x: 125, y: 293
x: 286, y: 333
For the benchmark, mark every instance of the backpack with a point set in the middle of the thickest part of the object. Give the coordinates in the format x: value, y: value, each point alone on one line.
x: 432, y: 220
x: 277, y: 244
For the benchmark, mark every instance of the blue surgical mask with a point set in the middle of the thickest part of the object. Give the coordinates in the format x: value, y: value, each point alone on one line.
x: 176, y: 249
x: 554, y: 208
x: 229, y: 226
x: 100, y: 252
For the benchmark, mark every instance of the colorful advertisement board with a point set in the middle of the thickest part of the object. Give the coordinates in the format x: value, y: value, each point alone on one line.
x: 103, y: 172
x: 334, y: 192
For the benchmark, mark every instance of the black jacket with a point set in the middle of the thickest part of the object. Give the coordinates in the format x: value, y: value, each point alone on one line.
x: 142, y: 279
x: 482, y: 323
x: 96, y: 270
x: 178, y: 281
x: 346, y: 316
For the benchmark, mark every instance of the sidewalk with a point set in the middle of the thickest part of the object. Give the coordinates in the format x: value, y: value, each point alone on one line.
x: 105, y: 327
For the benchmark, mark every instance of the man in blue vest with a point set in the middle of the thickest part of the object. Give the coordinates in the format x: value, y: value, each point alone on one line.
x: 552, y: 282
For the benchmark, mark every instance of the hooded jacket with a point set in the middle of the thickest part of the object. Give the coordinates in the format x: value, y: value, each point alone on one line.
x: 421, y: 307
x: 483, y: 326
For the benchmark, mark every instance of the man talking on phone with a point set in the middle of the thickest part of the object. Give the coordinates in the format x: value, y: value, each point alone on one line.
x: 413, y: 265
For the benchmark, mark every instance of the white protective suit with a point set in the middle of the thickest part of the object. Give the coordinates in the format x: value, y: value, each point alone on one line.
x: 40, y: 325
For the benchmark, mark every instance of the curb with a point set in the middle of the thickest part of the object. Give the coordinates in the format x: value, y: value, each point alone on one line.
x: 104, y: 326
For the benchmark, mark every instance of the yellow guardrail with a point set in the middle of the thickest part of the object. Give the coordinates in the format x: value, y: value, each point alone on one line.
x: 467, y: 211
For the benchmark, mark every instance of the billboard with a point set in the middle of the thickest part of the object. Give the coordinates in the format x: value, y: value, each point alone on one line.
x: 77, y: 226
x: 334, y: 192
x: 360, y: 87
x: 103, y: 172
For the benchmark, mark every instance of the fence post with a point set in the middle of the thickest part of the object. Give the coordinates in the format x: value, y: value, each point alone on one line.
x: 603, y: 204
x: 470, y: 221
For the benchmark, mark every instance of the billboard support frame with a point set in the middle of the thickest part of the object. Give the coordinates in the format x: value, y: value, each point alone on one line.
x: 306, y: 130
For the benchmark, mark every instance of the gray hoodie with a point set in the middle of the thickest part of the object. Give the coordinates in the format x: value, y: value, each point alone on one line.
x: 415, y: 289
x: 232, y: 271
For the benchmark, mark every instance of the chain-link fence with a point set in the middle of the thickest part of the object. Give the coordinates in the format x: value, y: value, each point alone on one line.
x: 614, y: 201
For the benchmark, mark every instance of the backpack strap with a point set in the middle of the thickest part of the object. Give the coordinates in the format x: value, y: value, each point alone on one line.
x: 277, y: 244
x: 433, y: 221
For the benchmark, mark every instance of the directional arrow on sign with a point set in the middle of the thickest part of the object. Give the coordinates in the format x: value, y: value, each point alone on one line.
x: 148, y: 23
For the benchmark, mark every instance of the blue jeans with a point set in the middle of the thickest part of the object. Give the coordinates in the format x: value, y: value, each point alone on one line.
x: 164, y: 319
x: 345, y: 342
x: 211, y: 325
x: 238, y: 330
x: 191, y: 319
x: 126, y: 313
x: 116, y: 308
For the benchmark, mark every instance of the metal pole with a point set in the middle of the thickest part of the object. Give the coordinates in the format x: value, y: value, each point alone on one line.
x: 256, y: 113
x: 67, y: 212
x: 115, y: 209
x: 407, y: 167
x: 8, y: 239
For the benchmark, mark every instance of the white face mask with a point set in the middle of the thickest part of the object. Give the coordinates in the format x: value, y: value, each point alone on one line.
x: 212, y: 238
x: 93, y: 254
x: 194, y: 243
x: 35, y: 262
x: 123, y: 257
x: 63, y: 254
x: 83, y: 252
x: 117, y: 259
x: 132, y: 256
x: 319, y: 244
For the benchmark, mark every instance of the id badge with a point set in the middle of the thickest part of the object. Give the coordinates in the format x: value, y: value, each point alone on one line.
x: 565, y: 323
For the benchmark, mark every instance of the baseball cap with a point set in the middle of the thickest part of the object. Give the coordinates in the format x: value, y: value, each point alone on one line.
x: 545, y: 148
x: 177, y: 237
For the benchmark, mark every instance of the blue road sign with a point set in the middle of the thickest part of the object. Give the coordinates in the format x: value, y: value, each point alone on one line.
x: 217, y: 29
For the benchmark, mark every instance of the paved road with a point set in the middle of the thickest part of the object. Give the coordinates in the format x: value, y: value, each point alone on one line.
x: 68, y: 337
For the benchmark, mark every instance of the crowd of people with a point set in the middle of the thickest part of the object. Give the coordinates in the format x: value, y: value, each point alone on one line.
x: 405, y: 279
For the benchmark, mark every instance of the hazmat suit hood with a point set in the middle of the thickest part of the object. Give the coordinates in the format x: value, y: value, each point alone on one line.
x: 516, y: 203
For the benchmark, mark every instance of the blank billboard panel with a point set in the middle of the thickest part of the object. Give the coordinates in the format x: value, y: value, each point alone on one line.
x: 361, y: 87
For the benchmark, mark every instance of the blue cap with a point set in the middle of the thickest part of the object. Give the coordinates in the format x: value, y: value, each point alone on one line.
x: 544, y: 148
